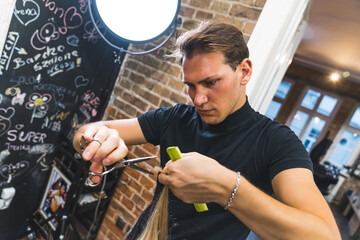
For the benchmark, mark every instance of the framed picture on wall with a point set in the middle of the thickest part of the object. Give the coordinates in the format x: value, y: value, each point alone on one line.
x: 55, y: 196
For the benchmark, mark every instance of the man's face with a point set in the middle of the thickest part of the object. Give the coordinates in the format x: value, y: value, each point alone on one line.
x: 213, y: 86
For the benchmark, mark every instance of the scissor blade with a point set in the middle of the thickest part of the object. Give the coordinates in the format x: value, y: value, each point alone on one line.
x: 140, y: 169
x: 136, y: 160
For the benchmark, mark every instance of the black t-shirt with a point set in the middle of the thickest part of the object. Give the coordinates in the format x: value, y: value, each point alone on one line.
x: 245, y: 141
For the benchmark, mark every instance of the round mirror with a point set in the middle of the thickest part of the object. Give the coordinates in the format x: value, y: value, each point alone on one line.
x: 138, y: 20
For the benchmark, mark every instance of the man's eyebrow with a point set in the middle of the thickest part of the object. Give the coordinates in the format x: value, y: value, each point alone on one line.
x: 203, y: 80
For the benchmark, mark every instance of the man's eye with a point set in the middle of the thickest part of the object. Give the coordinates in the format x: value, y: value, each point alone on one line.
x: 210, y: 83
x: 190, y: 85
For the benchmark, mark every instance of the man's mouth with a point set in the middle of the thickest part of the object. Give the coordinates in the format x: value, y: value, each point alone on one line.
x: 205, y: 111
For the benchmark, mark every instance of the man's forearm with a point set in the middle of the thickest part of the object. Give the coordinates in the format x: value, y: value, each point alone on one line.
x: 272, y: 219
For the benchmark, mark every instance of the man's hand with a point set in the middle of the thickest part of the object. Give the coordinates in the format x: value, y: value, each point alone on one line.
x: 105, y: 146
x: 196, y: 178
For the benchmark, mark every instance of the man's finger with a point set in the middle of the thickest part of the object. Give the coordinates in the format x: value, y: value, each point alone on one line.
x: 97, y: 168
x: 116, y: 155
x: 164, y: 178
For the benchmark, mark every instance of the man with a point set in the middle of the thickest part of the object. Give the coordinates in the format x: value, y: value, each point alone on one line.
x: 219, y: 136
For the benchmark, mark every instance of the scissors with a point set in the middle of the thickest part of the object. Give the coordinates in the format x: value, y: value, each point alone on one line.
x: 120, y: 164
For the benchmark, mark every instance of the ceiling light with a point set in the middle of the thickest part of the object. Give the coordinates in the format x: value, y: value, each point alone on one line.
x: 334, y: 77
x: 346, y: 74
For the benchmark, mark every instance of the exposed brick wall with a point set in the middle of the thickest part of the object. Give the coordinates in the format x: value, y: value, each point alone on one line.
x: 150, y: 81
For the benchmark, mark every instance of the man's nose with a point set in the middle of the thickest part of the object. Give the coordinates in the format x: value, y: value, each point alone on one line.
x: 200, y: 98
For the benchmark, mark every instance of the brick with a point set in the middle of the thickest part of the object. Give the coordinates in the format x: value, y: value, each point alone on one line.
x: 117, y: 196
x: 145, y: 166
x: 110, y: 118
x: 128, y: 217
x: 203, y: 4
x: 111, y: 236
x: 118, y: 91
x: 165, y: 103
x: 151, y: 61
x: 119, y: 103
x: 177, y: 98
x: 246, y: 38
x: 124, y: 178
x: 249, y: 27
x: 128, y: 204
x: 111, y: 111
x: 101, y: 234
x: 239, y: 23
x: 144, y: 70
x: 120, y: 115
x: 247, y: 2
x: 124, y: 189
x: 176, y: 84
x: 174, y: 70
x: 158, y: 76
x: 137, y: 78
x: 244, y: 12
x: 201, y: 15
x: 147, y: 195
x: 129, y: 109
x: 260, y: 3
x: 124, y: 212
x: 161, y: 90
x: 134, y: 184
x: 112, y: 226
x: 125, y: 73
x: 190, y: 24
x: 147, y: 95
x: 152, y: 163
x: 131, y: 154
x: 139, y: 151
x: 133, y: 173
x: 151, y: 148
x: 130, y: 98
x: 186, y: 12
x: 125, y: 83
x: 220, y: 7
x: 149, y: 84
x: 138, y: 201
x: 138, y: 211
x: 131, y: 65
x: 146, y: 182
x: 110, y: 212
x: 225, y: 18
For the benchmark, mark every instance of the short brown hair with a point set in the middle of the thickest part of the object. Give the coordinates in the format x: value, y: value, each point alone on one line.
x: 213, y: 36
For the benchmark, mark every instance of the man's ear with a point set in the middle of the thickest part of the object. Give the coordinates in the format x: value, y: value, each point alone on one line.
x: 246, y: 71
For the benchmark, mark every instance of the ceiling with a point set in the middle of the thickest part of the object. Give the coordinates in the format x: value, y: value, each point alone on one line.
x: 332, y: 40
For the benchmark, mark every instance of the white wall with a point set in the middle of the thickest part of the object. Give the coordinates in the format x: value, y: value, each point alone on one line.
x: 272, y: 46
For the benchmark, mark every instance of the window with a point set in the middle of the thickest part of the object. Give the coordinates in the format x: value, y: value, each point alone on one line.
x: 310, y: 99
x: 347, y: 142
x: 279, y: 98
x: 355, y: 120
x: 311, y: 116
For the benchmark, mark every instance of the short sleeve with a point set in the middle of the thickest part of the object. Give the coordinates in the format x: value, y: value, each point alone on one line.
x: 286, y: 152
x: 154, y: 122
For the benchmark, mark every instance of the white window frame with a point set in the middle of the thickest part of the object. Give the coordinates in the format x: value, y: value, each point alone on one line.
x: 313, y: 113
x: 355, y: 153
x: 279, y: 100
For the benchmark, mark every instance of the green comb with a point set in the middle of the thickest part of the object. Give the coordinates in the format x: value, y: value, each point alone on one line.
x: 175, y: 154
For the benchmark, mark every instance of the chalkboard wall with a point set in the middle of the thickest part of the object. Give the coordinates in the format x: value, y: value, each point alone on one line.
x: 56, y: 74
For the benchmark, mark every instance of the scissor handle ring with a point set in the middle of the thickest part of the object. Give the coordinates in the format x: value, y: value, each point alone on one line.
x: 90, y: 183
